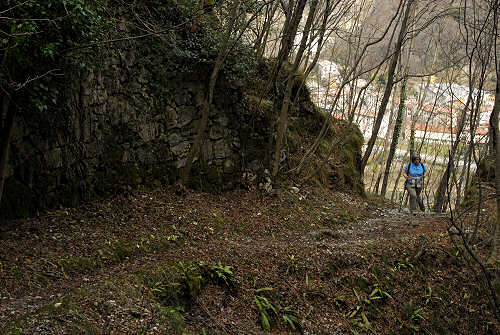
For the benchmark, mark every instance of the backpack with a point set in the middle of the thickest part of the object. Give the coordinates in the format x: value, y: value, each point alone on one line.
x: 408, y: 168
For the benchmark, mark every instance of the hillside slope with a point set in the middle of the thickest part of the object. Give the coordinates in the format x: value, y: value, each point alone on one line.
x: 309, y: 259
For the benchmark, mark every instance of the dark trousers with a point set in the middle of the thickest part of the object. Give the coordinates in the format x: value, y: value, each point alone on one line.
x: 414, y: 193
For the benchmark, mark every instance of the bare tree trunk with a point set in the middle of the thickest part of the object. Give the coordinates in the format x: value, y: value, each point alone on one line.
x: 395, y: 138
x: 288, y: 92
x: 414, y: 116
x: 395, y: 188
x: 377, y: 184
x: 289, y: 32
x: 388, y: 87
x: 371, y: 182
x: 496, y: 233
x: 293, y: 17
x: 496, y: 143
x: 327, y: 122
x: 310, y: 67
x: 473, y: 124
x: 440, y: 197
x: 493, y: 126
x: 411, y: 141
x: 5, y: 137
x: 205, y: 108
x: 261, y: 41
x: 464, y: 175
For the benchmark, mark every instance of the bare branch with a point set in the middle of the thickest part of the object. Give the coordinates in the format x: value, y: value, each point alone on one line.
x: 19, y: 86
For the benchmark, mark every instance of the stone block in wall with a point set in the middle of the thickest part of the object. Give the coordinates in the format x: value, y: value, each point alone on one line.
x: 180, y: 163
x: 221, y: 149
x: 148, y: 131
x: 145, y: 156
x: 228, y: 166
x: 171, y: 117
x: 163, y: 153
x: 222, y: 120
x: 174, y: 139
x: 207, y: 151
x: 126, y: 157
x: 96, y: 128
x: 190, y: 132
x: 186, y: 115
x: 121, y: 111
x: 180, y: 149
x: 93, y: 149
x: 255, y: 165
x: 236, y: 143
x: 216, y: 132
x: 183, y: 98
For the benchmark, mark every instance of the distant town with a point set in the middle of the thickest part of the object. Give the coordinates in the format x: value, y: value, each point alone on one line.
x: 432, y: 107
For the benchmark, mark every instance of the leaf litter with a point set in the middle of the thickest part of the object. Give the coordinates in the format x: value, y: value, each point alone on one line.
x: 333, y: 261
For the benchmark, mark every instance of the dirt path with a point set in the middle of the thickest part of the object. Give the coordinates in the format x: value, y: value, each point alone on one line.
x: 100, y: 269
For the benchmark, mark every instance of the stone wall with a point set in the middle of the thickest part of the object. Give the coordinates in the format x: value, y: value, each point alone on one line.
x: 130, y: 121
x: 114, y: 133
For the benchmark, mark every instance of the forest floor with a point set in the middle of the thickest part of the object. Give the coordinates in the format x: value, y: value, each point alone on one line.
x: 309, y: 261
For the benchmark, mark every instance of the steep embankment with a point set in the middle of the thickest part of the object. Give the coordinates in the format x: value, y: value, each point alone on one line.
x: 309, y: 259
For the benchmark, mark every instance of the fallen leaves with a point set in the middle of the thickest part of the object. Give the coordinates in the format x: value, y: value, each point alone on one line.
x: 311, y: 246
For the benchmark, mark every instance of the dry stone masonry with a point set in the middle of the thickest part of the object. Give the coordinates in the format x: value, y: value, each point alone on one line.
x: 113, y: 134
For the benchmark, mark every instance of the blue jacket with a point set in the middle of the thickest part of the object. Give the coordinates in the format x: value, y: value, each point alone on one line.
x: 415, y: 171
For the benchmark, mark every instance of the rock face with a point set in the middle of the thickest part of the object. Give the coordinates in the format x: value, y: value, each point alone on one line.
x: 128, y: 122
x: 114, y: 133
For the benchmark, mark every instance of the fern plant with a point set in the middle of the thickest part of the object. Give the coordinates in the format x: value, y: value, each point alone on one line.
x: 290, y: 318
x: 221, y: 274
x: 267, y: 311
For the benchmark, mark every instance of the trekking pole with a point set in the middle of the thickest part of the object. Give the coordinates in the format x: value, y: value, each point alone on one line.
x: 402, y: 198
x: 423, y: 191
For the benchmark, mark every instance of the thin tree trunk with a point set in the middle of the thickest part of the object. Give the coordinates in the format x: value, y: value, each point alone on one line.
x: 377, y: 184
x: 288, y: 92
x: 493, y: 126
x: 292, y: 20
x: 439, y: 199
x: 205, y: 108
x: 464, y: 175
x: 496, y: 233
x: 260, y: 44
x: 319, y: 47
x: 411, y: 144
x: 473, y: 124
x: 496, y: 144
x: 388, y: 87
x: 395, y: 137
x: 5, y: 136
x: 396, y: 184
x: 345, y: 81
x: 371, y: 182
x: 289, y: 33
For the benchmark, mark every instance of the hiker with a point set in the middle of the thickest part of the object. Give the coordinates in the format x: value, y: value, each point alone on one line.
x: 414, y: 174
